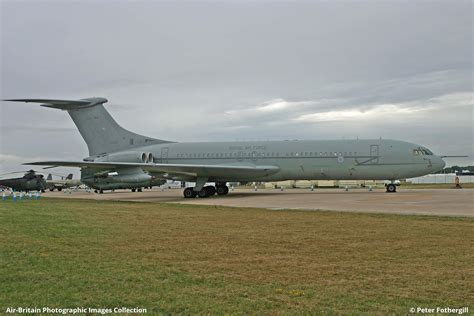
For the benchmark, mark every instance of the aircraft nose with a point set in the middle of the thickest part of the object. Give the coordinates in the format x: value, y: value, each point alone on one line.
x: 440, y: 163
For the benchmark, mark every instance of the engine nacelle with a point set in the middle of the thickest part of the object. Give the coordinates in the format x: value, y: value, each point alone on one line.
x: 127, y: 156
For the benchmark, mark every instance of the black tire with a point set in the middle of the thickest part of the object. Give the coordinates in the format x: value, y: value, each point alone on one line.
x: 60, y: 189
x: 51, y: 189
x: 139, y: 190
x: 222, y: 190
x: 210, y: 190
x: 133, y: 190
x: 101, y: 191
x: 391, y: 188
x: 203, y: 193
x: 189, y: 193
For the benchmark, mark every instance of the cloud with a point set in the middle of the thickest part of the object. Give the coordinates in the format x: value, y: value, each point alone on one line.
x: 273, y: 105
x: 277, y: 112
x: 281, y: 104
x: 377, y: 112
x: 391, y: 111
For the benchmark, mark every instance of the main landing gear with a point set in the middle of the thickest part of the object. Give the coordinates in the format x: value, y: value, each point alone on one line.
x: 391, y: 188
x: 222, y: 190
x: 207, y: 191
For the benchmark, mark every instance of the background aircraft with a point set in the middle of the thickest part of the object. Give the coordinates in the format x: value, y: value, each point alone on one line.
x: 113, y: 179
x: 63, y: 183
x: 123, y: 158
x: 31, y: 181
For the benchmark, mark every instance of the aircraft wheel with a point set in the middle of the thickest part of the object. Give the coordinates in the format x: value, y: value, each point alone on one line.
x: 101, y: 191
x: 203, y: 193
x: 139, y: 190
x: 211, y: 190
x: 60, y: 189
x: 95, y: 191
x: 51, y: 189
x: 189, y: 193
x: 391, y: 188
x: 133, y: 190
x: 222, y: 190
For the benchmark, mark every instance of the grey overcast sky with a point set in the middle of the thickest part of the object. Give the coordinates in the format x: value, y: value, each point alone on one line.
x: 228, y: 70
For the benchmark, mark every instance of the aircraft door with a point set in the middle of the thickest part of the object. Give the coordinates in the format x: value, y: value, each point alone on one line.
x: 164, y: 154
x: 374, y: 154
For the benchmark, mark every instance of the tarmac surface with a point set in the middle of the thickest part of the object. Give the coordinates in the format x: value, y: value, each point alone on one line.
x: 442, y: 202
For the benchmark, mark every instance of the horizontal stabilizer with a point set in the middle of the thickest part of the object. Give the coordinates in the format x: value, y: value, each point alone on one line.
x: 64, y: 104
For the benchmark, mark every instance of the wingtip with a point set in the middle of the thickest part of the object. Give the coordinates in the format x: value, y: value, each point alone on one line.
x: 32, y: 163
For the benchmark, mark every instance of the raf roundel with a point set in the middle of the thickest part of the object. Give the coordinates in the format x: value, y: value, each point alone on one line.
x: 340, y: 159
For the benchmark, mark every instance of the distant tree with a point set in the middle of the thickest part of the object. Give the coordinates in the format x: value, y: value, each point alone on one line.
x: 454, y: 169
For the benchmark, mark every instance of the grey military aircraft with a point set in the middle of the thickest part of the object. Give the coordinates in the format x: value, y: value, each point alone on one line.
x: 111, y: 179
x: 31, y: 181
x: 118, y: 156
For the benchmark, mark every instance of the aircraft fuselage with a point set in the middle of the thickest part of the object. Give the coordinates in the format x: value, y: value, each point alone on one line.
x: 375, y: 159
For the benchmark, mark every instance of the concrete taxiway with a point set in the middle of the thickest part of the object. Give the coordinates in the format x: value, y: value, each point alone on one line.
x: 443, y: 202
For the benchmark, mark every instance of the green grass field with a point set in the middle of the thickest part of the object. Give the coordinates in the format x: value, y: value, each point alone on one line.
x: 200, y: 259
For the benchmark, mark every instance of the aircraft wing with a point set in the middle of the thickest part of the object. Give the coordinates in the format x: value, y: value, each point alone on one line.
x: 237, y: 171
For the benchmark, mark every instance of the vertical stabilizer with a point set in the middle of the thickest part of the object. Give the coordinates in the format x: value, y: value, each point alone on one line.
x: 100, y: 131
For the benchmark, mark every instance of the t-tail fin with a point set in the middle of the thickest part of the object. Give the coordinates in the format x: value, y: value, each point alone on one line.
x: 100, y: 131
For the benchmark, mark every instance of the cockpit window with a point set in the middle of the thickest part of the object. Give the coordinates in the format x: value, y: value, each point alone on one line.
x: 427, y: 151
x: 420, y: 151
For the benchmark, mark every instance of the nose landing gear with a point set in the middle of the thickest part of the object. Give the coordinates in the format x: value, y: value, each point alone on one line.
x: 391, y: 188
